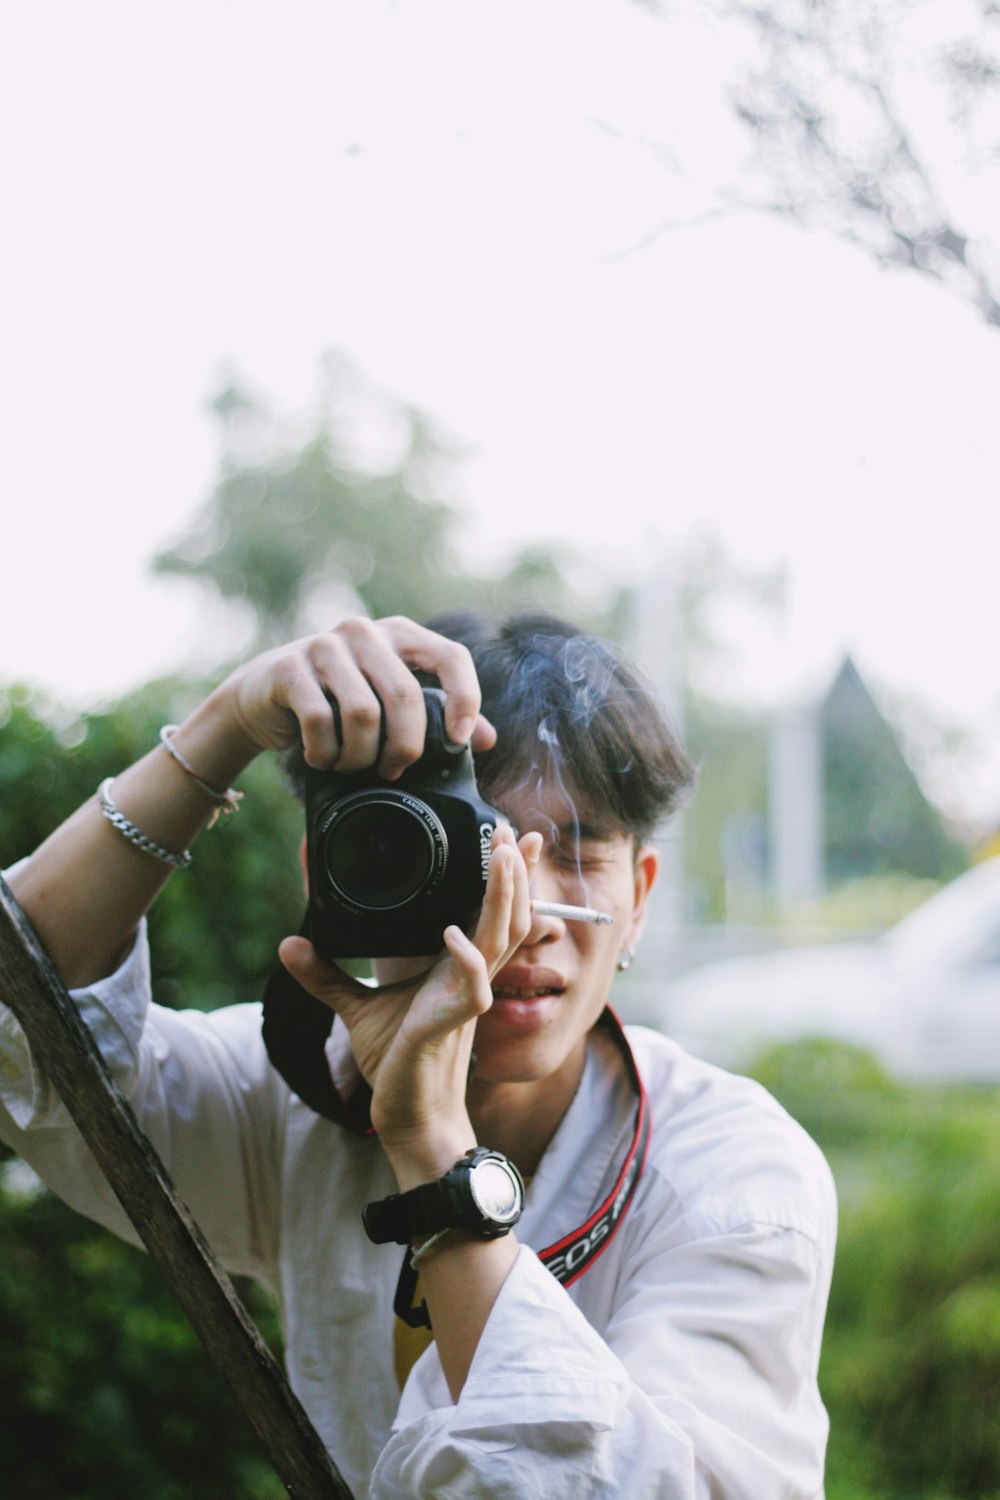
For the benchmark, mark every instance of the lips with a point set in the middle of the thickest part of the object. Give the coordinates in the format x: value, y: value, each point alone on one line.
x: 526, y: 982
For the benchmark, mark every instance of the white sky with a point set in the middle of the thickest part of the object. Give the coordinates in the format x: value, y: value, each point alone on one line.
x: 448, y: 192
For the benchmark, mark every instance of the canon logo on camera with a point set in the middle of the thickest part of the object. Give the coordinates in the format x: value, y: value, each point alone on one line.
x: 485, y: 847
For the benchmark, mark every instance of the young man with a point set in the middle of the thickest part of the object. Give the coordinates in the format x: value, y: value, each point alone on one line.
x: 651, y: 1327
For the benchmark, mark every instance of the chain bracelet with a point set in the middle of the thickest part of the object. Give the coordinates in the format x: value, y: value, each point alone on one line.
x: 135, y: 835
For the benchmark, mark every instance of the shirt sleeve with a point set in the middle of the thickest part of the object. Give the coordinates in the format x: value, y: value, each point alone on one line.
x: 202, y: 1090
x: 702, y: 1387
x: 114, y: 1011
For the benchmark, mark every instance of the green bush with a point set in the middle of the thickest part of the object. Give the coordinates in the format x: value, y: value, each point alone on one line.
x: 108, y: 1394
x: 216, y: 927
x: 911, y: 1360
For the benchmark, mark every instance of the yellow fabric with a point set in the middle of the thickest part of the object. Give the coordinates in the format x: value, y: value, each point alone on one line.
x: 409, y: 1343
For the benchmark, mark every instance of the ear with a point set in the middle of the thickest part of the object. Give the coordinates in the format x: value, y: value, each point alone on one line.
x: 645, y: 872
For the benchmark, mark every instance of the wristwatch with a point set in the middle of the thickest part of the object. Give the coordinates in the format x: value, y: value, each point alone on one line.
x: 482, y: 1194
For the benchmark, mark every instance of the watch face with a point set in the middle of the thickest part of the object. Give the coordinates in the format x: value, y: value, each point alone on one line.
x: 496, y: 1190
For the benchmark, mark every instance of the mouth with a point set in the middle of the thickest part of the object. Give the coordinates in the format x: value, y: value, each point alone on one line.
x: 508, y: 992
x: 522, y: 981
x: 526, y: 996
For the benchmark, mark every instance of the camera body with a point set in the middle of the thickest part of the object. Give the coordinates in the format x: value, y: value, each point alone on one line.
x: 393, y: 863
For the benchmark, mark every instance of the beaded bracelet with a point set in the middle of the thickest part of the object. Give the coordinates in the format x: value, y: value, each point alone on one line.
x: 135, y: 835
x: 225, y: 802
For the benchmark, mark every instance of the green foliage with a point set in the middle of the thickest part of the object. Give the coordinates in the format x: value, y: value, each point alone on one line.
x: 274, y: 530
x: 107, y: 1393
x: 217, y: 926
x: 305, y: 528
x: 877, y: 819
x: 911, y: 1361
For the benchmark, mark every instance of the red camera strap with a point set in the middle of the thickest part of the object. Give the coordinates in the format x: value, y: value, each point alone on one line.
x: 570, y: 1256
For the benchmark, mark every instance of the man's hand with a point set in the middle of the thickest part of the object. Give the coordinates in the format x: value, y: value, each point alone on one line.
x: 412, y: 1040
x: 365, y: 666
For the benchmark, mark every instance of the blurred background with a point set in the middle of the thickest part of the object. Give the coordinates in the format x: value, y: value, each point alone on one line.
x: 681, y: 319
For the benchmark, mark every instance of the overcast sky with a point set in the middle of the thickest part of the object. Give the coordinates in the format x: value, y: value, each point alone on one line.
x: 456, y: 194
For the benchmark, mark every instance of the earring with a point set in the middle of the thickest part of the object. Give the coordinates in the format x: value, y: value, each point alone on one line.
x: 625, y: 959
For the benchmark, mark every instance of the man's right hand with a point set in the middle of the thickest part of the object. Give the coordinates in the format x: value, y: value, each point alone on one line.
x: 365, y: 666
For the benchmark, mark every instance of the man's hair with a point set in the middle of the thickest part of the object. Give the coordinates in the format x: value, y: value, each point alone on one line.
x: 568, y: 708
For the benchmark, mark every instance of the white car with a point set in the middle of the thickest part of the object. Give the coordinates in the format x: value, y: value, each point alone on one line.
x: 924, y: 998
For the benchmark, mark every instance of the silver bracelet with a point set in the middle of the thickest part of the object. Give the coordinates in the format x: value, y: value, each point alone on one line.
x: 227, y: 801
x: 135, y: 835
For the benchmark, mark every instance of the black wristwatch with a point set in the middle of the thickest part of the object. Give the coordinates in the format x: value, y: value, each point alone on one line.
x: 482, y: 1194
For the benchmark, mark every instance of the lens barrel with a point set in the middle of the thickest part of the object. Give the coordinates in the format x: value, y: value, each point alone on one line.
x: 382, y: 850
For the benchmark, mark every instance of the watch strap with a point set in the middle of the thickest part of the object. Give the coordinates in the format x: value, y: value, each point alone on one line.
x: 403, y: 1217
x: 447, y: 1203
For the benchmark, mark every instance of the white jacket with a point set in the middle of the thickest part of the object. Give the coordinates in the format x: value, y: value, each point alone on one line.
x: 682, y: 1364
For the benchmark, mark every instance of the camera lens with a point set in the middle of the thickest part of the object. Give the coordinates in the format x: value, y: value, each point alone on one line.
x: 380, y: 853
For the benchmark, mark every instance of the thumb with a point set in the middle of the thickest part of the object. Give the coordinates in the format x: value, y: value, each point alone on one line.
x: 324, y: 981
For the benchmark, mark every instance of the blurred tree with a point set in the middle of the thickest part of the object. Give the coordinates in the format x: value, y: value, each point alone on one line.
x: 856, y: 107
x: 346, y: 512
x: 877, y: 819
x: 871, y: 119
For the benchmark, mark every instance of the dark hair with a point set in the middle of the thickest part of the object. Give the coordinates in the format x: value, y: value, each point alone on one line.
x: 566, y: 704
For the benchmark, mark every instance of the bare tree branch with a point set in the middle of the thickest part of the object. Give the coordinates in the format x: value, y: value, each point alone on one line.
x: 831, y: 97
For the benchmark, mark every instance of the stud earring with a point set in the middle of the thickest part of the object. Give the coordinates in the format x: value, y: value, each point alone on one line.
x: 625, y: 959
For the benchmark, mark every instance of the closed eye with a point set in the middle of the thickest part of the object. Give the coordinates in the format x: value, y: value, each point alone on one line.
x: 582, y: 856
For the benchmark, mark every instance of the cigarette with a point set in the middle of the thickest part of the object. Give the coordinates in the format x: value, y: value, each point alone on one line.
x: 571, y: 913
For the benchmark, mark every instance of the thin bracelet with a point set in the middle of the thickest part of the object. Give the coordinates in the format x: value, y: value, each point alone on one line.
x: 428, y: 1247
x: 135, y: 835
x: 225, y: 802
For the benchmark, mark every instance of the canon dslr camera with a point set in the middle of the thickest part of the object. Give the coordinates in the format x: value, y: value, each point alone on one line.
x: 393, y: 863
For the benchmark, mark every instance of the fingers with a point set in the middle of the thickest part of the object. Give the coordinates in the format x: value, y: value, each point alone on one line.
x: 473, y: 994
x: 363, y: 666
x: 529, y: 848
x: 363, y: 671
x: 453, y: 666
x: 323, y: 981
x: 505, y: 919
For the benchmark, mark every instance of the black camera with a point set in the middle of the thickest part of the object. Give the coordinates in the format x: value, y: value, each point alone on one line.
x: 393, y: 863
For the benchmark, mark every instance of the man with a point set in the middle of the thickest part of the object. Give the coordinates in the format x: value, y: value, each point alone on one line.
x: 651, y: 1326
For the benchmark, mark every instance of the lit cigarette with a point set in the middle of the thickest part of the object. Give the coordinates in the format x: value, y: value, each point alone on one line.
x: 571, y: 913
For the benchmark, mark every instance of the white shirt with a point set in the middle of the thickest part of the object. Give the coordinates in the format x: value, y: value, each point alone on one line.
x: 682, y: 1364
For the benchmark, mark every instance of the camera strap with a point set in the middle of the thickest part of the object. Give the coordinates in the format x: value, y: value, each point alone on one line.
x: 570, y: 1256
x: 296, y: 1029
